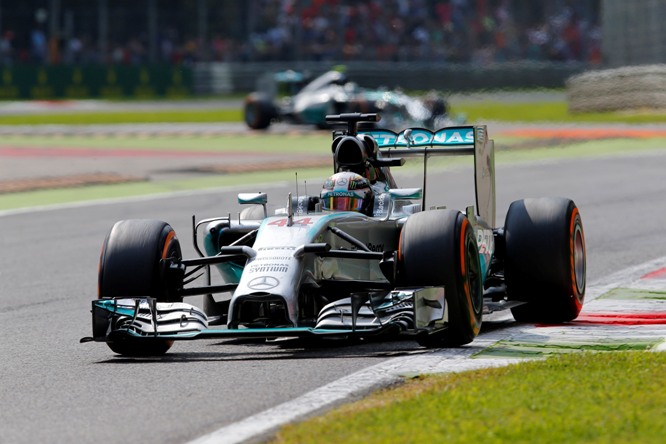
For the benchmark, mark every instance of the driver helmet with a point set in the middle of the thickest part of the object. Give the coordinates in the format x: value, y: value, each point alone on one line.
x: 347, y: 191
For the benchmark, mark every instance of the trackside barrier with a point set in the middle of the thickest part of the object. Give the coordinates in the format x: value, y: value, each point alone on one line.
x: 48, y: 82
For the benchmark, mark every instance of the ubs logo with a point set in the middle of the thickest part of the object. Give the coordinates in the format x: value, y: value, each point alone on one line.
x: 263, y: 283
x: 380, y: 204
x: 299, y: 205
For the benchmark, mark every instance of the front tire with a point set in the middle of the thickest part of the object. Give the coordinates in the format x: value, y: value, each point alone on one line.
x: 130, y: 266
x: 545, y: 263
x: 438, y: 248
x: 259, y: 111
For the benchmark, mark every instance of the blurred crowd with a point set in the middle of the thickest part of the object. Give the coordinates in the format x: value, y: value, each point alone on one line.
x: 481, y: 31
x: 456, y: 31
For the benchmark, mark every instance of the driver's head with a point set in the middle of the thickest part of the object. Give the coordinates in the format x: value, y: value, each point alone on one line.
x: 347, y: 191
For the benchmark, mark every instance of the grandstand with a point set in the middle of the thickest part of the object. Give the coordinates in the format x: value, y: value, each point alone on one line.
x: 172, y: 48
x: 181, y: 31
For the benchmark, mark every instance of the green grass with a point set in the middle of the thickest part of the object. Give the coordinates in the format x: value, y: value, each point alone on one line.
x: 117, y: 117
x: 574, y: 398
x: 547, y: 112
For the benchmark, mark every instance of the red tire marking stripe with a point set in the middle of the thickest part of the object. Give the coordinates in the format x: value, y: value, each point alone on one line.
x: 468, y: 291
x: 572, y: 249
x: 462, y: 246
x: 167, y: 243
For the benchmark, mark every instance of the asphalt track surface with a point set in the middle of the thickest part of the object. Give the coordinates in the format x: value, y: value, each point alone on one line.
x: 55, y: 390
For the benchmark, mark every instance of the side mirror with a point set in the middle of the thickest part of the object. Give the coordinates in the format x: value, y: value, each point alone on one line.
x: 406, y: 193
x: 253, y: 198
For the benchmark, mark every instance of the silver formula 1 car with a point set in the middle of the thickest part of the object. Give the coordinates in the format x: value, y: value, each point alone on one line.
x: 363, y: 258
x: 332, y: 93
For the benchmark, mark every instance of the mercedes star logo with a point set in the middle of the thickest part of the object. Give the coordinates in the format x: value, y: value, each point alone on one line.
x: 263, y: 283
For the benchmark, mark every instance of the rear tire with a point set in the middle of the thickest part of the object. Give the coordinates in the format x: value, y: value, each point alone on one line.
x: 438, y: 248
x: 545, y: 263
x: 259, y: 111
x: 130, y: 267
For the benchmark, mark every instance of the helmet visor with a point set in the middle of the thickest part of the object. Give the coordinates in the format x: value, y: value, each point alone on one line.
x: 339, y: 203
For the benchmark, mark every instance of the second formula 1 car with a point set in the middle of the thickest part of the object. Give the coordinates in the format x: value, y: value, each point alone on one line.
x: 333, y: 93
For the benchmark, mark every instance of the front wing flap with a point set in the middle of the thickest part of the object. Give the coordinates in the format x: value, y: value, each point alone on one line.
x: 145, y: 317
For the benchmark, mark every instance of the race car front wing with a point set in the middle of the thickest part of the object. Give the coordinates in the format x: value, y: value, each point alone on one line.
x: 407, y: 310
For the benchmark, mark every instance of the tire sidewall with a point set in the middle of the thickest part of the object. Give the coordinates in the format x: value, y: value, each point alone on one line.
x: 130, y: 261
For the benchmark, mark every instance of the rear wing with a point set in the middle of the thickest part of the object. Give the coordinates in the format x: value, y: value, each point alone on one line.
x: 450, y: 141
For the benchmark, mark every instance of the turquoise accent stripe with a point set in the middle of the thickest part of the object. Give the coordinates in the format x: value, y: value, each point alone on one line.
x: 259, y: 333
x: 484, y: 267
x: 111, y: 306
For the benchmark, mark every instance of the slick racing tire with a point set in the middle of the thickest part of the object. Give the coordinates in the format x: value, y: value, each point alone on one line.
x: 258, y: 111
x: 438, y: 248
x: 130, y: 266
x: 545, y: 262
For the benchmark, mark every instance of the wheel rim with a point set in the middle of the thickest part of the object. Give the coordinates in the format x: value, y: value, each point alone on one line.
x: 250, y: 115
x: 579, y: 259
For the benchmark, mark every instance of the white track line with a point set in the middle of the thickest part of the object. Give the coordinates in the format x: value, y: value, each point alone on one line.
x: 352, y: 387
